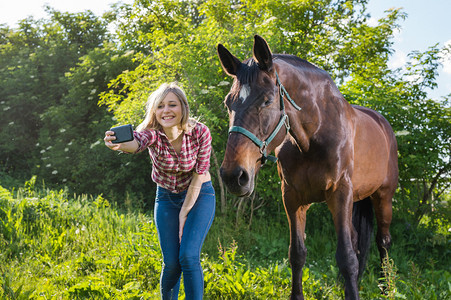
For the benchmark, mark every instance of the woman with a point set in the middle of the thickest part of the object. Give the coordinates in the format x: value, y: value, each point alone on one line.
x: 179, y: 148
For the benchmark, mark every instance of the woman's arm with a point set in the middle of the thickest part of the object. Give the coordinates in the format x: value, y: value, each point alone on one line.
x: 130, y: 147
x: 191, y: 197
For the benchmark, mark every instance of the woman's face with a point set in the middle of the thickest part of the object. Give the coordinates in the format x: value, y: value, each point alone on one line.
x: 169, y: 112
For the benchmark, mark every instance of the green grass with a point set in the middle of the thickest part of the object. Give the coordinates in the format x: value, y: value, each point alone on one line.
x: 56, y: 246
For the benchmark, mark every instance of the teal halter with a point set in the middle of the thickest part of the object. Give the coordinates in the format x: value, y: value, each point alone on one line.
x: 283, y: 121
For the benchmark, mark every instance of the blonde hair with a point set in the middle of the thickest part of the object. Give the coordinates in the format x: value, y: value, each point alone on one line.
x: 150, y: 121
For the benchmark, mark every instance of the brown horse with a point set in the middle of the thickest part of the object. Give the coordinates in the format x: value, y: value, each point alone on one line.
x: 327, y: 150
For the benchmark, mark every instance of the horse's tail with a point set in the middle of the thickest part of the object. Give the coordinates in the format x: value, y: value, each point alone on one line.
x: 362, y: 219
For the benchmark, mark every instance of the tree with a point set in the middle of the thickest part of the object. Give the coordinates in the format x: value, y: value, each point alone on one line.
x: 33, y: 60
x: 53, y: 73
x: 71, y: 137
x: 176, y: 40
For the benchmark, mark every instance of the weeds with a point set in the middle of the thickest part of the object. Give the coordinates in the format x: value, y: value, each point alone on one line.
x: 53, y: 246
x: 389, y: 277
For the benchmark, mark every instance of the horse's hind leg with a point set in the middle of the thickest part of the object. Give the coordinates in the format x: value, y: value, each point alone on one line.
x: 298, y: 252
x: 382, y: 203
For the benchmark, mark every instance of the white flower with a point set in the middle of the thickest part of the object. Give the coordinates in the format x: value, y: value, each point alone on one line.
x: 94, y: 144
x: 54, y: 172
x: 269, y: 20
x: 128, y: 53
x: 48, y: 165
x: 222, y: 83
x: 402, y: 132
x: 204, y: 91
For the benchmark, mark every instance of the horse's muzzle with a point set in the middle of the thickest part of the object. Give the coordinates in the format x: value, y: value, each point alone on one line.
x: 238, y: 181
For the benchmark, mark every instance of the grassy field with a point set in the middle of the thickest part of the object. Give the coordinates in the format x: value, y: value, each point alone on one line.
x: 57, y: 246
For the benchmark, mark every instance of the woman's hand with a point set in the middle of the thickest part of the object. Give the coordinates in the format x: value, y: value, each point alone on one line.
x: 109, y: 137
x: 130, y: 147
x: 182, y: 220
x: 191, y: 198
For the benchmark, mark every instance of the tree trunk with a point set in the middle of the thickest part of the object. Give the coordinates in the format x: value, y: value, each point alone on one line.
x: 221, y: 184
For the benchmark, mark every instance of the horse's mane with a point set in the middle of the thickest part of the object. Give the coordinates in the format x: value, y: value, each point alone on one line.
x: 248, y: 70
x: 301, y: 63
x: 294, y: 60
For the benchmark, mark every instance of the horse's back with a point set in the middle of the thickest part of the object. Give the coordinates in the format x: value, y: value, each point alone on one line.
x: 375, y: 153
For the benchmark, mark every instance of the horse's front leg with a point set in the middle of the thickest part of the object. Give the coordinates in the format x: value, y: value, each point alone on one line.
x: 340, y: 203
x: 298, y: 252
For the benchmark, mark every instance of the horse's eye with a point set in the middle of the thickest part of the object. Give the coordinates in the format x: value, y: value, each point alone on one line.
x: 267, y: 103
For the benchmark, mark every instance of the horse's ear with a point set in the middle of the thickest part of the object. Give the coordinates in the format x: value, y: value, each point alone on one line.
x: 262, y: 53
x: 229, y: 62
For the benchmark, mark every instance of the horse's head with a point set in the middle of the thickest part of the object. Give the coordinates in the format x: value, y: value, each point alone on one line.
x: 255, y: 113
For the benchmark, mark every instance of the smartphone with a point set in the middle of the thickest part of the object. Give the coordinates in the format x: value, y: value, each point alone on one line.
x: 123, y: 134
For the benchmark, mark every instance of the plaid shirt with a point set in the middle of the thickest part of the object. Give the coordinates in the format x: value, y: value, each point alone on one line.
x: 169, y: 169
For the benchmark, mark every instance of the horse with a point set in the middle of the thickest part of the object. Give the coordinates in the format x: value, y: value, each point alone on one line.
x: 327, y: 150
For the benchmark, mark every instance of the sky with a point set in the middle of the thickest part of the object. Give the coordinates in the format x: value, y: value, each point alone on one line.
x: 427, y: 24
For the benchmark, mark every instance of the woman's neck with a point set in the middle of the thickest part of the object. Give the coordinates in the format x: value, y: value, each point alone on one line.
x: 173, y: 132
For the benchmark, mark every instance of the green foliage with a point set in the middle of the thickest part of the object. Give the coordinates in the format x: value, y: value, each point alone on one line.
x: 176, y: 40
x: 66, y: 80
x: 231, y: 279
x: 33, y: 60
x: 56, y: 72
x: 86, y: 247
x: 388, y: 279
x: 56, y: 132
x: 71, y: 139
x: 60, y: 247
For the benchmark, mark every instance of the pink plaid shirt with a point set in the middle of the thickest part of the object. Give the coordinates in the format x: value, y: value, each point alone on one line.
x: 169, y: 169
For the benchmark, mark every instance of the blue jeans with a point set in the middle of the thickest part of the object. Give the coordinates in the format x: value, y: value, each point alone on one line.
x: 183, y: 256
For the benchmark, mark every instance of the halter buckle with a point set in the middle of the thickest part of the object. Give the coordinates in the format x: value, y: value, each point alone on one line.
x: 263, y: 148
x: 287, y: 123
x: 281, y: 91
